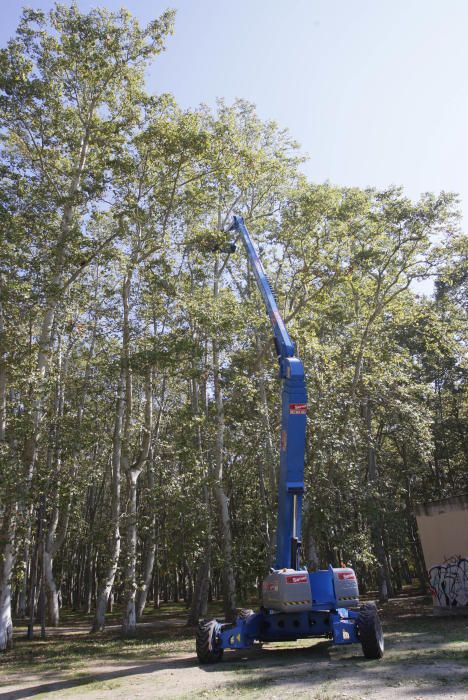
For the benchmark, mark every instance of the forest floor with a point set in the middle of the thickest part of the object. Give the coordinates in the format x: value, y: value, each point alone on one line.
x: 426, y: 658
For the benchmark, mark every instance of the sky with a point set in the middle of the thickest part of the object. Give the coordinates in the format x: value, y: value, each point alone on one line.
x: 376, y: 92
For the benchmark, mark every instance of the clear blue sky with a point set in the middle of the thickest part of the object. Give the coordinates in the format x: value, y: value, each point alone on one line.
x: 376, y: 91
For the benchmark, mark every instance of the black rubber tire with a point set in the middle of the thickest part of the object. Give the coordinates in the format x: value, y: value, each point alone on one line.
x: 208, y: 651
x: 370, y: 631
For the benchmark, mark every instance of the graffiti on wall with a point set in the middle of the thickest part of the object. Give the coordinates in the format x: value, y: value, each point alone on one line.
x: 449, y: 582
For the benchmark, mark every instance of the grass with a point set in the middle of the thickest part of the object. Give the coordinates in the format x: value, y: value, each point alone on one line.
x: 417, y: 644
x: 66, y: 651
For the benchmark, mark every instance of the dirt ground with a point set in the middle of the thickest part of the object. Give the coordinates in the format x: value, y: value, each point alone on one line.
x: 426, y: 658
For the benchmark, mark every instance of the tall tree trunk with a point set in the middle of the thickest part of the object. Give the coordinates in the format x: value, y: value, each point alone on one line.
x: 57, y: 530
x: 7, y: 532
x: 51, y: 305
x: 376, y: 525
x: 133, y: 473
x: 44, y: 349
x: 199, y: 602
x: 7, y: 539
x: 54, y: 539
x: 269, y: 461
x: 114, y: 548
x: 129, y: 617
x: 412, y: 529
x: 149, y: 549
x: 149, y: 558
x: 149, y: 552
x: 3, y: 370
x: 229, y: 584
x: 132, y: 470
x: 22, y: 601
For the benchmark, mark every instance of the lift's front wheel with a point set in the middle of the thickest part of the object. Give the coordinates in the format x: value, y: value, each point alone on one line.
x: 370, y: 632
x: 208, y: 649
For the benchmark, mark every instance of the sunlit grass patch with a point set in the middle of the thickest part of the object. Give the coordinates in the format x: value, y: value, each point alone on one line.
x: 67, y: 651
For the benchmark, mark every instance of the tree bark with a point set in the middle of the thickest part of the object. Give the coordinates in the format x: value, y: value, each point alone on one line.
x: 7, y: 533
x: 199, y: 602
x: 267, y: 464
x: 385, y: 581
x: 45, y: 346
x: 54, y: 539
x: 149, y: 558
x: 149, y: 550
x: 222, y: 500
x: 7, y: 538
x: 57, y: 530
x: 412, y: 529
x: 114, y: 549
x: 3, y: 371
x: 46, y: 335
x: 149, y: 553
x: 54, y: 536
x: 129, y: 618
x: 133, y: 473
x: 132, y: 470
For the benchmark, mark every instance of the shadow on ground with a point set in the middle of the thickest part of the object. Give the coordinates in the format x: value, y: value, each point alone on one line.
x: 425, y: 657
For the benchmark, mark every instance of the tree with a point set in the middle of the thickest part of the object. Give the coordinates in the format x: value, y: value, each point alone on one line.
x: 69, y: 97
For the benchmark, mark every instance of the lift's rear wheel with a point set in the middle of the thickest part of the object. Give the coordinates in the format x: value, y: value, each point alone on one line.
x: 370, y: 632
x: 208, y: 649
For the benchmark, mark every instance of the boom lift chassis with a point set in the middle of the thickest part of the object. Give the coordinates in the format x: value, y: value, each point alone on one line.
x: 296, y: 604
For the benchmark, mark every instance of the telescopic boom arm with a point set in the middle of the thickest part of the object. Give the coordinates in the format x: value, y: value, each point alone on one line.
x: 296, y: 603
x: 293, y: 418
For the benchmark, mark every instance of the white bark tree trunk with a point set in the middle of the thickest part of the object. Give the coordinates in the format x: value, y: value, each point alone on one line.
x: 54, y: 540
x: 149, y: 552
x: 45, y: 348
x: 58, y: 526
x: 53, y: 608
x: 129, y: 618
x: 149, y: 557
x: 3, y: 374
x: 46, y: 336
x: 222, y: 500
x: 385, y: 581
x: 133, y: 473
x: 6, y: 567
x: 114, y: 549
x: 199, y: 605
x: 7, y: 533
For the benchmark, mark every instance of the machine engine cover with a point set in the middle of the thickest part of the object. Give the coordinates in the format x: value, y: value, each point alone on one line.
x: 287, y: 590
x: 346, y: 588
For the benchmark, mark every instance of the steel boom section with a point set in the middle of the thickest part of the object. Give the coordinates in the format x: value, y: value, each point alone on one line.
x: 293, y: 418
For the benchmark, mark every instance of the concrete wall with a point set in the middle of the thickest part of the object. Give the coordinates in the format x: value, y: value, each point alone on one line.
x: 443, y: 529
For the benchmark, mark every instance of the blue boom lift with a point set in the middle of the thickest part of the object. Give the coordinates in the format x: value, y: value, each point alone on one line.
x: 296, y: 604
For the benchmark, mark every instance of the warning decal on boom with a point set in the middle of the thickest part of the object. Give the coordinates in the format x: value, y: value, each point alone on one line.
x: 297, y: 409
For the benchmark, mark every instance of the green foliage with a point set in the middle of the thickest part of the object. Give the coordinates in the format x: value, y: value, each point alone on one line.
x: 114, y: 207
